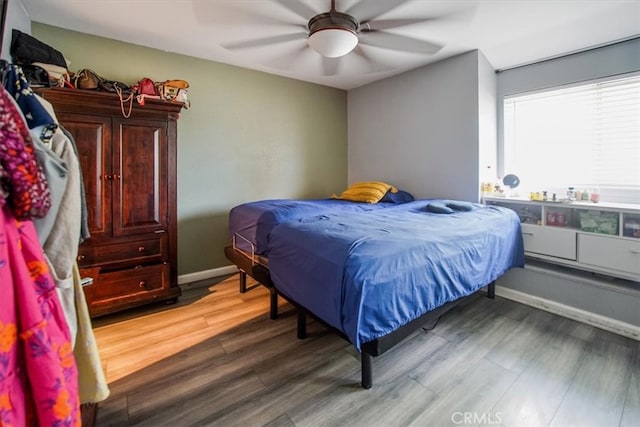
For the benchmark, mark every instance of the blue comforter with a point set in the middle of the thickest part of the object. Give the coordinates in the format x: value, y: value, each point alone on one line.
x: 367, y: 274
x: 255, y: 220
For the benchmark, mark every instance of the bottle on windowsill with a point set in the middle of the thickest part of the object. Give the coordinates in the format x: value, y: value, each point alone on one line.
x: 578, y: 194
x: 488, y: 184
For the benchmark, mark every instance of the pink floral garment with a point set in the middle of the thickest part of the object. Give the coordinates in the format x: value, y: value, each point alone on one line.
x: 22, y: 180
x: 38, y: 375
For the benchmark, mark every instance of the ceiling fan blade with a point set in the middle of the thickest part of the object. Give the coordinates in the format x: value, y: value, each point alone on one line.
x: 299, y: 8
x: 374, y: 67
x: 265, y: 41
x: 290, y: 59
x: 367, y: 10
x: 386, y: 24
x: 398, y: 42
x: 330, y: 66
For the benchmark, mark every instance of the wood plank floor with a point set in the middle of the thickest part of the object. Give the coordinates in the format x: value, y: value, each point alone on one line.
x: 216, y: 359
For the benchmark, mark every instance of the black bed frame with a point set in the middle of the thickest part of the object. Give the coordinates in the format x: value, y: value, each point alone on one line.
x: 370, y: 349
x: 258, y: 271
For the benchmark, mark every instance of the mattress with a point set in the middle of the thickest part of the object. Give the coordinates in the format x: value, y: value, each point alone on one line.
x: 369, y: 273
x: 250, y: 224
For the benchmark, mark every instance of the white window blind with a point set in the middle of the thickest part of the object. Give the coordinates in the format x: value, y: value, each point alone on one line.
x: 583, y: 136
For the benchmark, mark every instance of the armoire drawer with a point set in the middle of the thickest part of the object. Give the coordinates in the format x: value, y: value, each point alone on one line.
x: 135, y: 252
x: 127, y: 287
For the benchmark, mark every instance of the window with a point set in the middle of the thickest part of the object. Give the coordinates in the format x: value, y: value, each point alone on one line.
x: 585, y: 136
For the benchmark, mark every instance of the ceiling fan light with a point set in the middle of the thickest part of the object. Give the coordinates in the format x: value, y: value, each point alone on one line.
x: 333, y: 42
x: 333, y: 34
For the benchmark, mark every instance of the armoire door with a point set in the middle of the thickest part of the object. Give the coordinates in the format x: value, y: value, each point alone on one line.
x: 92, y: 135
x: 139, y: 177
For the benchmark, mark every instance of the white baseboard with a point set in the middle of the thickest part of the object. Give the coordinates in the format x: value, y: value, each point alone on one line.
x: 207, y: 274
x: 602, y: 322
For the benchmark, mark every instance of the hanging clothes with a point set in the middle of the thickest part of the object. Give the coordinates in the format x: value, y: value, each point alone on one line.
x: 18, y: 87
x: 59, y: 230
x: 61, y: 236
x: 38, y: 372
x: 62, y: 229
x: 92, y: 383
x: 22, y: 182
x: 43, y: 129
x: 84, y: 211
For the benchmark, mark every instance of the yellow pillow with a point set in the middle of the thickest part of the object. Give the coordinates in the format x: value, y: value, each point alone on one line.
x: 368, y: 192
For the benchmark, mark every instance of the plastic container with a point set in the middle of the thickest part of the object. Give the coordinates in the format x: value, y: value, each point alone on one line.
x: 631, y: 228
x: 599, y: 221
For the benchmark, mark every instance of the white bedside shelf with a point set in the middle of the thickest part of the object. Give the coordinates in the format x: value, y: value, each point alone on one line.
x: 597, y: 237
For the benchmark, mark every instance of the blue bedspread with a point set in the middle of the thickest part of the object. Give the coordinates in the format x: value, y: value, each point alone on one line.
x: 367, y: 274
x: 255, y: 220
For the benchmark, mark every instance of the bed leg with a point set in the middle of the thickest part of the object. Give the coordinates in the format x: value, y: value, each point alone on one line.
x: 243, y: 282
x: 273, y: 304
x: 491, y: 290
x: 366, y: 370
x: 302, y: 324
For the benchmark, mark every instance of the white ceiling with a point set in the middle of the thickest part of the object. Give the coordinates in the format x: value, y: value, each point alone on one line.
x: 508, y: 32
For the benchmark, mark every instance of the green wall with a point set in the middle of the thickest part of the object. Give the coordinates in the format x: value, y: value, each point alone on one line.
x: 248, y: 135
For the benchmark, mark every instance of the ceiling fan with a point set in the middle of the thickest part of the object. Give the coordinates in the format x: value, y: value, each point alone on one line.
x: 335, y: 34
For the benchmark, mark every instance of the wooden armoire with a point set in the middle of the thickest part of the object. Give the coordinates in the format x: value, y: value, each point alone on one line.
x: 129, y: 174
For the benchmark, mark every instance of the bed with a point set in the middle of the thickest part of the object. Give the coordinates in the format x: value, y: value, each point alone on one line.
x: 250, y: 225
x: 340, y: 266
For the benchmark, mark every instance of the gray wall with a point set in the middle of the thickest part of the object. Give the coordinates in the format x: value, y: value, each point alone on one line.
x: 594, y: 295
x: 487, y: 112
x: 248, y: 135
x: 612, y: 298
x: 421, y: 130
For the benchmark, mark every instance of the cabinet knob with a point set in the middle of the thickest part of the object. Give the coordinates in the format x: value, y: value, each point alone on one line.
x: 116, y: 176
x: 140, y: 249
x: 107, y: 177
x: 81, y: 257
x: 143, y: 284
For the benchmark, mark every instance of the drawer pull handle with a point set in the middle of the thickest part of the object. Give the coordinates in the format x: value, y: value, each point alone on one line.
x: 634, y: 251
x: 145, y: 285
x: 140, y: 249
x: 527, y: 234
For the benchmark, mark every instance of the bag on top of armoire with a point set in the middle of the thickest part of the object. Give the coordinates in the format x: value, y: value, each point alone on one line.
x: 86, y: 79
x: 36, y: 75
x: 26, y: 49
x: 145, y: 86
